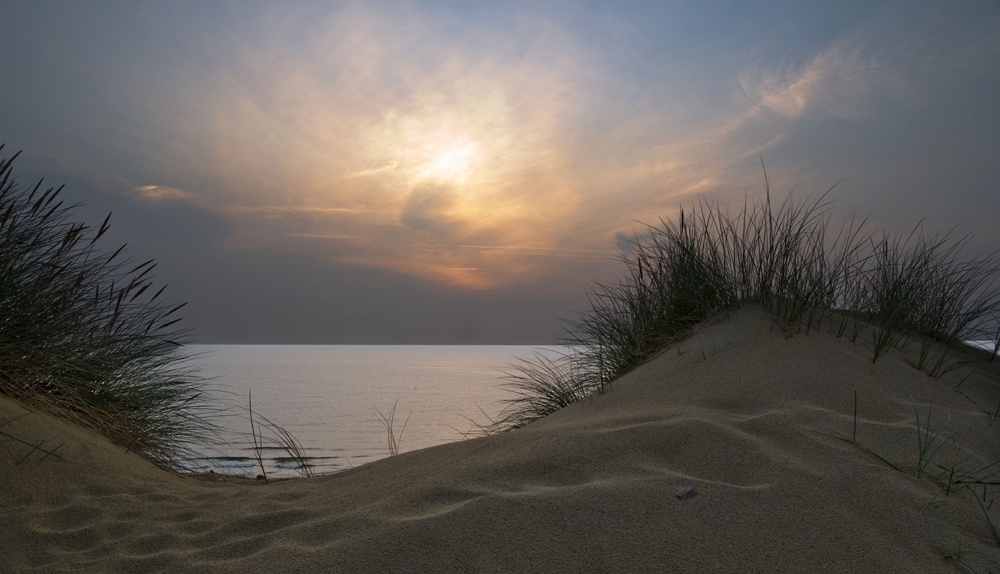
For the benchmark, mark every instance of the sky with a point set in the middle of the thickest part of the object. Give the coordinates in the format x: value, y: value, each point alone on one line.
x: 460, y: 172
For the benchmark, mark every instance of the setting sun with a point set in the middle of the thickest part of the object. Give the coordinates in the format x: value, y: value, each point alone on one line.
x: 447, y: 158
x: 434, y: 144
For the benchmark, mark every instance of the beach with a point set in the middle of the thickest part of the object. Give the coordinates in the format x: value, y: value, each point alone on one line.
x: 759, y: 420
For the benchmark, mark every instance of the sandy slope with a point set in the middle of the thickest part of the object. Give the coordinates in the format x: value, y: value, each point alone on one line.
x: 759, y: 423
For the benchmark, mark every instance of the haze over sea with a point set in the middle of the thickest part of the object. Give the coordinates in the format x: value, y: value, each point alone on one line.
x: 327, y: 396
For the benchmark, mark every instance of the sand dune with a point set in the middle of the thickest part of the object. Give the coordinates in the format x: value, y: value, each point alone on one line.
x: 759, y: 423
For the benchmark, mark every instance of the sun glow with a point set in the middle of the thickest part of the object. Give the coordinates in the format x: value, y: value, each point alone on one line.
x: 463, y: 161
x: 454, y: 145
x: 446, y: 158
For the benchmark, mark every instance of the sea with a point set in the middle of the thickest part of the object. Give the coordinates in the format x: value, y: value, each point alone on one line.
x: 338, y: 401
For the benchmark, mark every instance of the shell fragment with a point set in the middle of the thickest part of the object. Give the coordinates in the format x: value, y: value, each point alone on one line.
x: 687, y: 494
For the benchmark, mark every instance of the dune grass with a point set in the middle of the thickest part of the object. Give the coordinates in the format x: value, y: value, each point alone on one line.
x: 393, y: 440
x: 84, y: 334
x: 897, y: 288
x: 278, y: 436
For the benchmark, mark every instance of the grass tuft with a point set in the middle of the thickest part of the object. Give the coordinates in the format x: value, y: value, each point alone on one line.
x: 258, y: 443
x: 389, y: 423
x: 928, y: 442
x: 281, y: 438
x: 542, y: 385
x: 900, y: 288
x: 84, y: 334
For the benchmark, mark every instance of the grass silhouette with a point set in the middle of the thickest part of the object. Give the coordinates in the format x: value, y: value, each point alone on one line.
x: 84, y: 334
x: 393, y: 440
x: 897, y: 288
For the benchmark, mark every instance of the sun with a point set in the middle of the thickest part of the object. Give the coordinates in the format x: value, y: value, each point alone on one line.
x: 438, y: 148
x: 445, y: 156
x: 453, y: 162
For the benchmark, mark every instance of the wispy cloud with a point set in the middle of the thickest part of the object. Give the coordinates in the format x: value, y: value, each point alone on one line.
x: 321, y: 235
x: 840, y: 80
x: 292, y: 209
x: 158, y: 192
x: 381, y: 130
x: 519, y: 250
x: 877, y: 61
x: 435, y: 154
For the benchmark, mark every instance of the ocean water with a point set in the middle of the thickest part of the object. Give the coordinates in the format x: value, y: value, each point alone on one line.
x: 328, y: 398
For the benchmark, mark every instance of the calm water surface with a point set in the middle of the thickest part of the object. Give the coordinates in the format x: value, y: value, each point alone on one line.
x: 327, y: 396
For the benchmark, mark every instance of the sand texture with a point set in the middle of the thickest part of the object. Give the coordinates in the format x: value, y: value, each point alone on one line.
x: 760, y: 423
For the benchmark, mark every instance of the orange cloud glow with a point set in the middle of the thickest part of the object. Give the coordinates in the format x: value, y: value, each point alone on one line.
x: 479, y: 161
x: 473, y: 152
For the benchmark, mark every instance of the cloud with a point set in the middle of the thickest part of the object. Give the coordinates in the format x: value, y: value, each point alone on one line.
x: 405, y: 139
x: 879, y: 60
x: 427, y: 209
x: 321, y: 235
x: 625, y: 243
x: 160, y: 192
x: 520, y: 250
x: 379, y: 128
x: 279, y: 209
x: 841, y: 80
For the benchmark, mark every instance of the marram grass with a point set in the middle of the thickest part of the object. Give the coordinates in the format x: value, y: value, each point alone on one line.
x: 896, y: 288
x: 86, y: 336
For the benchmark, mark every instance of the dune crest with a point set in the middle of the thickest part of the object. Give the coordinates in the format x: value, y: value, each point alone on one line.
x: 759, y: 422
